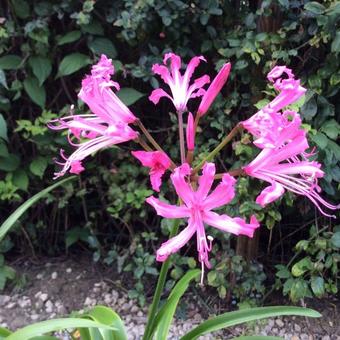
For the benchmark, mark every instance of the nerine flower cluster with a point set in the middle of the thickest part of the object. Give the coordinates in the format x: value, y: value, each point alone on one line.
x: 284, y: 161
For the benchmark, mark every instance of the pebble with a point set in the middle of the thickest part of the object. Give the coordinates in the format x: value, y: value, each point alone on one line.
x: 69, y: 270
x: 43, y: 297
x: 326, y: 337
x: 11, y: 305
x: 54, y: 275
x: 24, y: 302
x: 297, y: 328
x: 34, y: 317
x: 279, y: 323
x: 4, y: 299
x: 39, y: 276
x: 49, y: 306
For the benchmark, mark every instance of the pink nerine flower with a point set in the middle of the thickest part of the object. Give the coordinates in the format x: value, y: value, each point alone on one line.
x: 157, y: 161
x: 197, y: 206
x: 107, y: 126
x: 99, y: 137
x: 179, y: 85
x: 97, y: 94
x: 214, y: 89
x: 266, y: 122
x: 286, y: 167
x: 190, y: 132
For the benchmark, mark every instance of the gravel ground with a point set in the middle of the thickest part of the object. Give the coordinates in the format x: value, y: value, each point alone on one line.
x: 55, y: 290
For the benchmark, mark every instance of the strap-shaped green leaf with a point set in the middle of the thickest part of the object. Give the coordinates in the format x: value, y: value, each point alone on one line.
x: 257, y: 337
x: 241, y: 316
x: 47, y: 326
x: 164, y: 317
x: 107, y: 316
x: 4, y: 332
x: 8, y: 224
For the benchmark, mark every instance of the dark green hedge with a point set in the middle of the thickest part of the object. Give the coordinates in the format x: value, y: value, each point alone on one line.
x: 46, y: 48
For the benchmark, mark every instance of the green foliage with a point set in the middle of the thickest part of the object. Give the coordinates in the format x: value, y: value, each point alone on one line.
x: 242, y: 281
x: 46, y: 50
x: 316, y: 272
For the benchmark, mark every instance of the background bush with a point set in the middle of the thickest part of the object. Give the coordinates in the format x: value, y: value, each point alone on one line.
x: 46, y: 47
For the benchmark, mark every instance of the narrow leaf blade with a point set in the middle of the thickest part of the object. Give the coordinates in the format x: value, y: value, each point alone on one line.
x: 242, y: 316
x: 9, y: 222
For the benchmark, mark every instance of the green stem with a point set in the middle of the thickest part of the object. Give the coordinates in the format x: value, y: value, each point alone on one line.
x: 218, y: 148
x: 151, y: 139
x: 159, y: 288
x: 181, y: 136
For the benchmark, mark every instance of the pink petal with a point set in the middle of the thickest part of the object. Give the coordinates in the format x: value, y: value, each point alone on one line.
x: 194, y: 62
x: 157, y: 94
x: 76, y: 168
x: 156, y: 178
x: 190, y: 132
x: 278, y: 71
x: 175, y: 65
x: 96, y: 93
x: 158, y: 161
x: 103, y: 69
x: 237, y: 225
x: 203, y: 247
x: 197, y: 85
x: 205, y: 181
x: 183, y: 189
x: 270, y: 194
x: 168, y: 210
x: 163, y: 72
x: 223, y: 193
x: 174, y: 244
x: 214, y: 88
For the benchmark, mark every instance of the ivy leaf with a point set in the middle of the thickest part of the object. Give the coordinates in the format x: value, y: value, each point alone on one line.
x: 103, y: 46
x: 318, y: 285
x: 20, y: 179
x: 309, y: 109
x: 336, y: 43
x: 3, y: 81
x: 240, y: 65
x: 331, y: 128
x: 41, y: 68
x: 72, y: 63
x: 335, y: 239
x: 283, y: 272
x: 21, y: 8
x: 9, y: 163
x: 10, y: 62
x: 36, y: 93
x: 3, y: 128
x: 301, y: 267
x: 129, y: 95
x: 320, y: 139
x: 315, y: 7
x: 38, y: 166
x: 69, y: 37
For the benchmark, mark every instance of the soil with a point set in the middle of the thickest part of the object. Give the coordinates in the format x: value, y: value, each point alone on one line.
x: 56, y: 287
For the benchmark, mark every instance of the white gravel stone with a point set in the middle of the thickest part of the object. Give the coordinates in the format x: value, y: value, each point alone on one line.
x: 54, y: 275
x: 326, y: 337
x: 69, y: 270
x: 297, y: 328
x: 39, y: 276
x: 24, y: 302
x: 279, y: 323
x: 34, y: 317
x: 49, y: 306
x: 4, y: 299
x: 43, y: 297
x: 11, y: 305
